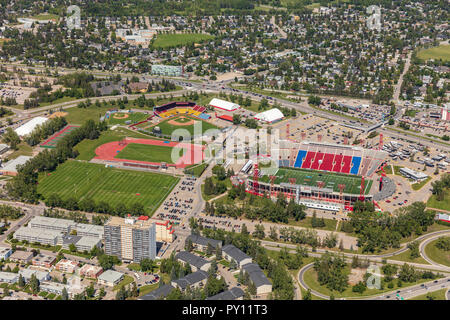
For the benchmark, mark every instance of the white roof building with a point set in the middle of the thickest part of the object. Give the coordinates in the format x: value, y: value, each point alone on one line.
x: 270, y: 116
x: 28, y: 127
x: 223, y: 105
x: 11, y: 166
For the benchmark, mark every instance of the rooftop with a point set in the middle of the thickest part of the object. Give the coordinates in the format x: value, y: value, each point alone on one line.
x: 257, y: 276
x: 196, y: 239
x: 235, y: 253
x: 11, y: 166
x: 192, y: 259
x: 110, y: 276
x: 232, y: 294
x: 156, y: 294
x: 130, y: 222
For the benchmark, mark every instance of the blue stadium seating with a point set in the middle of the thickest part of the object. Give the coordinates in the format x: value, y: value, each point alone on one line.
x: 298, y: 162
x: 356, y: 161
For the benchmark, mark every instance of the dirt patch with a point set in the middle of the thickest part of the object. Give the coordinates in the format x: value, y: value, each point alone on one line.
x: 57, y: 114
x: 356, y: 275
x: 120, y: 115
x: 175, y: 122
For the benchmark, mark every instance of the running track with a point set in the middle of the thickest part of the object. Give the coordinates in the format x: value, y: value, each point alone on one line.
x: 108, y: 151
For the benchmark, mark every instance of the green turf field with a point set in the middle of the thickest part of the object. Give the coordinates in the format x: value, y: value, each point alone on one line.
x: 310, y: 178
x: 173, y: 40
x: 133, y: 117
x: 150, y: 153
x: 89, y: 180
x: 167, y: 128
x: 440, y: 52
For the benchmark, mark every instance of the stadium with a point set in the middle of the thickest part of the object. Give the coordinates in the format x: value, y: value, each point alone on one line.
x: 181, y: 108
x: 318, y: 175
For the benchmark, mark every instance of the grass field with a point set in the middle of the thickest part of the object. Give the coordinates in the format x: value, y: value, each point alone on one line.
x: 436, y: 254
x: 173, y: 40
x: 150, y: 153
x: 133, y: 117
x: 437, y: 295
x: 87, y: 180
x: 437, y: 53
x: 443, y: 205
x: 87, y: 147
x: 46, y: 16
x: 23, y: 150
x: 310, y: 178
x: 167, y: 128
x: 405, y: 256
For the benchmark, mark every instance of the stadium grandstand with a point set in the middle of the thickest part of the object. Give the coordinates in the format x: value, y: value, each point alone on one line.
x: 178, y: 108
x: 318, y: 175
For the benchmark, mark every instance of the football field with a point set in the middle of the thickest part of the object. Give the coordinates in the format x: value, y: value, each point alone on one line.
x: 310, y: 178
x: 150, y: 153
x: 88, y: 180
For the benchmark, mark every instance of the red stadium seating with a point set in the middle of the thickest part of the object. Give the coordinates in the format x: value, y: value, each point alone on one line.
x: 337, y: 163
x: 316, y: 164
x: 327, y: 162
x: 307, y: 162
x: 346, y: 167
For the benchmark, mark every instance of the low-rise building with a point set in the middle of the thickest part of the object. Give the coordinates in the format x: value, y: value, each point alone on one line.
x: 40, y: 275
x: 87, y: 243
x: 90, y: 271
x: 234, y: 293
x: 10, y: 168
x: 43, y: 260
x: 110, y: 278
x: 201, y: 243
x: 258, y: 278
x: 192, y: 280
x: 412, y: 174
x: 65, y: 265
x: 9, y: 277
x: 41, y: 236
x: 21, y: 256
x: 5, y: 253
x: 230, y: 252
x: 57, y: 288
x: 158, y: 293
x: 196, y: 262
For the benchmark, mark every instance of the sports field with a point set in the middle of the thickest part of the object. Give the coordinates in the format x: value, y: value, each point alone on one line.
x: 150, y: 153
x: 88, y: 180
x: 55, y: 138
x: 437, y: 53
x: 310, y: 178
x: 173, y: 40
x: 167, y: 128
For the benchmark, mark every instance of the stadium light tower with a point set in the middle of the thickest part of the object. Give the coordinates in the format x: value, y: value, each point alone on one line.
x: 320, y: 185
x: 287, y: 131
x: 361, y: 190
x: 341, y: 193
x: 272, y: 181
x: 380, y: 144
x: 255, y: 178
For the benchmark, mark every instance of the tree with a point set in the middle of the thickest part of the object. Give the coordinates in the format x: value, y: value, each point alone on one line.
x: 259, y: 231
x: 414, y: 249
x: 189, y: 245
x: 34, y: 284
x: 72, y: 248
x: 121, y: 294
x: 21, y: 281
x: 307, y: 295
x: 90, y: 291
x: 11, y: 138
x: 147, y: 265
x: 273, y: 234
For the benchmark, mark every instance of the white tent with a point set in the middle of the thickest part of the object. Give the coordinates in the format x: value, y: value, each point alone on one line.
x: 28, y: 127
x: 224, y: 105
x: 270, y: 116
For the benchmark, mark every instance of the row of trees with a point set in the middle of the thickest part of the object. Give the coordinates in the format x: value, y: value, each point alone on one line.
x: 439, y: 187
x: 45, y: 130
x: 23, y: 186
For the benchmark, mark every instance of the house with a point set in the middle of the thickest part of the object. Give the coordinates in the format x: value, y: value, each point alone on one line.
x: 65, y: 265
x: 201, y: 243
x: 110, y: 278
x: 5, y: 253
x: 21, y: 256
x: 90, y: 271
x: 234, y: 293
x: 43, y: 260
x: 196, y: 262
x: 258, y: 278
x: 230, y: 252
x: 192, y: 280
x: 158, y: 293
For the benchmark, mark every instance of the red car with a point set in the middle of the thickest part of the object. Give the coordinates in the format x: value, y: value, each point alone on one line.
x: 388, y: 201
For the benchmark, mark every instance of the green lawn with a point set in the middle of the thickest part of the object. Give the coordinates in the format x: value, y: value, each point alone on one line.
x: 147, y: 289
x: 310, y: 178
x: 196, y: 169
x: 133, y: 117
x: 179, y: 39
x: 405, y: 256
x: 23, y: 150
x: 437, y: 53
x: 87, y: 180
x: 150, y: 153
x: 86, y: 148
x: 45, y: 16
x: 436, y: 254
x: 437, y: 295
x: 77, y: 115
x: 443, y: 205
x: 419, y: 185
x: 125, y: 281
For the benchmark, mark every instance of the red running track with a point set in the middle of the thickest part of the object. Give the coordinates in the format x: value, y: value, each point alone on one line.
x: 108, y: 151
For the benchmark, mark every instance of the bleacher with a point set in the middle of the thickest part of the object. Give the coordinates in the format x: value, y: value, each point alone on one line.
x: 174, y: 108
x: 336, y: 158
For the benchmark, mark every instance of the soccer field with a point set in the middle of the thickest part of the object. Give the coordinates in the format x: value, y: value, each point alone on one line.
x: 173, y: 40
x: 150, y: 153
x: 310, y: 178
x: 88, y: 180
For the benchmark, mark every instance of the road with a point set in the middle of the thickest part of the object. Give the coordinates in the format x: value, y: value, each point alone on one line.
x: 422, y: 246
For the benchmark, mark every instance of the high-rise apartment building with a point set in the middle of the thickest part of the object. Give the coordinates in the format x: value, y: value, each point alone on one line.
x: 130, y: 239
